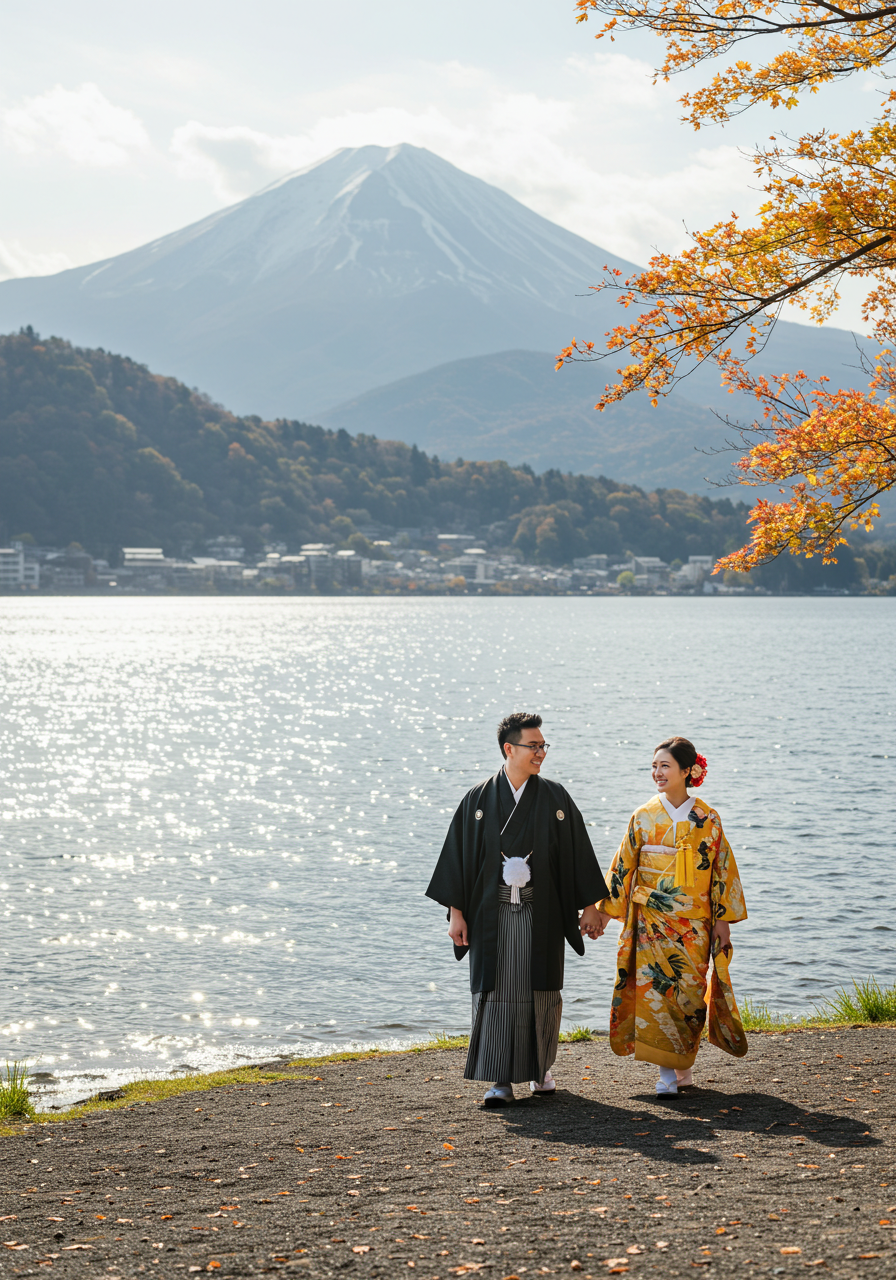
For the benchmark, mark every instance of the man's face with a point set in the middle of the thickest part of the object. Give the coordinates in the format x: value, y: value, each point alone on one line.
x: 527, y: 755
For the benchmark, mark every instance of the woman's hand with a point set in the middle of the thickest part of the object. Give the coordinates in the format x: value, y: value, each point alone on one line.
x: 721, y: 930
x: 457, y: 928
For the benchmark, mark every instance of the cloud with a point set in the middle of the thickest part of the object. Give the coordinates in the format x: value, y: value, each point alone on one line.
x: 80, y: 124
x: 569, y: 159
x: 16, y: 260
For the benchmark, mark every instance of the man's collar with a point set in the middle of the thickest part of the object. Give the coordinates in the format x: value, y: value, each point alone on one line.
x: 515, y: 791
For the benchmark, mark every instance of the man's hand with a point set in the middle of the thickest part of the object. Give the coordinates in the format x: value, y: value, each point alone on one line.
x: 721, y: 930
x: 457, y: 928
x: 593, y: 922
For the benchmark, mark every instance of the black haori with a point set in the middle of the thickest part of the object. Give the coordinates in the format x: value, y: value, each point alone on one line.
x: 468, y: 875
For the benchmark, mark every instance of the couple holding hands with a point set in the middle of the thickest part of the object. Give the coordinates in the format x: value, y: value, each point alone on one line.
x: 519, y: 877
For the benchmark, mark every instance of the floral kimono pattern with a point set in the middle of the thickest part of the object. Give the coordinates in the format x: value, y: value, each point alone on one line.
x: 669, y: 882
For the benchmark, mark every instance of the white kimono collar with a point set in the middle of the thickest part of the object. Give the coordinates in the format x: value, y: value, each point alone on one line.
x: 681, y: 813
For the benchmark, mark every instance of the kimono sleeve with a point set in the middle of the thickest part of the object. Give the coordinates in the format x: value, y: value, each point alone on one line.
x: 622, y: 872
x: 589, y: 884
x: 726, y: 893
x: 447, y: 884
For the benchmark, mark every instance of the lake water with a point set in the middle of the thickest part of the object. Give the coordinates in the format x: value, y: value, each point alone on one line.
x: 218, y: 816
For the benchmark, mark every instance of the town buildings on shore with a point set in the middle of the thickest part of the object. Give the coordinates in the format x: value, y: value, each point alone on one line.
x: 448, y: 562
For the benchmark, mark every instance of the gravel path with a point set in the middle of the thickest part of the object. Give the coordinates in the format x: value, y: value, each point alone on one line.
x: 389, y: 1167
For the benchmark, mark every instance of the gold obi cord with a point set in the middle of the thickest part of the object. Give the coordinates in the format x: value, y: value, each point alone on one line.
x: 684, y: 864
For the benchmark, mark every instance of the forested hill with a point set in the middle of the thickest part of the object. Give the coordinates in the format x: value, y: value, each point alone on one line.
x: 96, y: 449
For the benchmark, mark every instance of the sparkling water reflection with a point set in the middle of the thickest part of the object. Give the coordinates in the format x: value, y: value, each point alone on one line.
x: 218, y: 816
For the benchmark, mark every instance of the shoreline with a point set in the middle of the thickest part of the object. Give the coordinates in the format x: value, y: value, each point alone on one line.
x: 774, y: 1161
x: 148, y: 1089
x: 490, y: 591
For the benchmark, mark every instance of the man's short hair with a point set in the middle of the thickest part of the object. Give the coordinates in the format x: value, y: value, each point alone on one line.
x: 511, y: 728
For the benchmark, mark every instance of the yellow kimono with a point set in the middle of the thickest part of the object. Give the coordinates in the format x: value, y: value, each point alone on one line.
x: 673, y: 876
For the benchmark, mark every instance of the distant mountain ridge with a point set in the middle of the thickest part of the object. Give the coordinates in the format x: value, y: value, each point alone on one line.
x: 515, y: 406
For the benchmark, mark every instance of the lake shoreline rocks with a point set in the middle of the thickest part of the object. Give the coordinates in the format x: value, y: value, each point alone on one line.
x: 388, y: 1165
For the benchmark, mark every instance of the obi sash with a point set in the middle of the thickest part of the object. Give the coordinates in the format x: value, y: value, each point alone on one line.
x: 685, y: 867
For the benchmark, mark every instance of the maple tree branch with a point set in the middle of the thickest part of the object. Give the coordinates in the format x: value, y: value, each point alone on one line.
x: 761, y: 303
x: 823, y: 271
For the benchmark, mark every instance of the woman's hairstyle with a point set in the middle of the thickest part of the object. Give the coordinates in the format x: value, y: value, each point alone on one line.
x: 511, y: 727
x: 684, y: 753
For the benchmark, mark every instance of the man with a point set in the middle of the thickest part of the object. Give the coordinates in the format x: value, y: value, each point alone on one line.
x: 516, y: 867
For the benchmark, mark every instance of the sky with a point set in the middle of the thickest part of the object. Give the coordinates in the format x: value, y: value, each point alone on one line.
x: 122, y: 122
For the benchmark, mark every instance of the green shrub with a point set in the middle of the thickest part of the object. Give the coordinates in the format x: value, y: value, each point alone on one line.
x: 15, y: 1102
x: 576, y: 1033
x: 867, y: 1002
x: 445, y: 1040
x: 758, y: 1017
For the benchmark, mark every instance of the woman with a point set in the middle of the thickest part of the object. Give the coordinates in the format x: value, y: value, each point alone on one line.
x: 674, y: 882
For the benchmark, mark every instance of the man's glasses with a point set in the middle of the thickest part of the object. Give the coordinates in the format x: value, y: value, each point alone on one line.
x: 533, y: 746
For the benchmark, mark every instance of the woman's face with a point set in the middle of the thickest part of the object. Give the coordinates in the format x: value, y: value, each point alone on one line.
x: 667, y: 773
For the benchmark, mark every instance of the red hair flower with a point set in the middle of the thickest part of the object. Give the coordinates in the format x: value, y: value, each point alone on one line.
x: 698, y: 772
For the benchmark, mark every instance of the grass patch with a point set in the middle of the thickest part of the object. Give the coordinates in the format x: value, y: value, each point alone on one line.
x: 441, y: 1041
x: 867, y: 1002
x: 445, y: 1041
x: 145, y: 1091
x: 15, y: 1101
x: 759, y: 1017
x: 577, y: 1033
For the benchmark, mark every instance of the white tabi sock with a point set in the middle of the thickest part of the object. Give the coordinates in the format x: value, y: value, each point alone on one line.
x: 667, y: 1075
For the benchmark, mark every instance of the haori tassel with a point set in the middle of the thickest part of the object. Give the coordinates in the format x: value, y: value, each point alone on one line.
x: 684, y: 863
x: 517, y: 873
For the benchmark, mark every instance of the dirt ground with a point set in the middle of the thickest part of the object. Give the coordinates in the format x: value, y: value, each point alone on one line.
x: 389, y: 1167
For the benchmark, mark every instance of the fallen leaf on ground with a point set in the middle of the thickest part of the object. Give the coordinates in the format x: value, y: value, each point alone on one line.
x: 360, y: 1248
x: 791, y: 1248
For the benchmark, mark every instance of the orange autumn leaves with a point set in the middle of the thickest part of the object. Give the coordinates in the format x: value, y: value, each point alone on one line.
x: 829, y: 213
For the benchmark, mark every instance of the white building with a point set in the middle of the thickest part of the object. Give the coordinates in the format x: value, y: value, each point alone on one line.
x: 697, y: 568
x: 480, y: 566
x: 15, y: 571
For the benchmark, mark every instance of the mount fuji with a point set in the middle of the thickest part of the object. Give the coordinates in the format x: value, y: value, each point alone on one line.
x: 372, y: 267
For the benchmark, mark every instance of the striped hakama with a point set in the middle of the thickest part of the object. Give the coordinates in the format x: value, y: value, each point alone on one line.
x: 515, y: 1029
